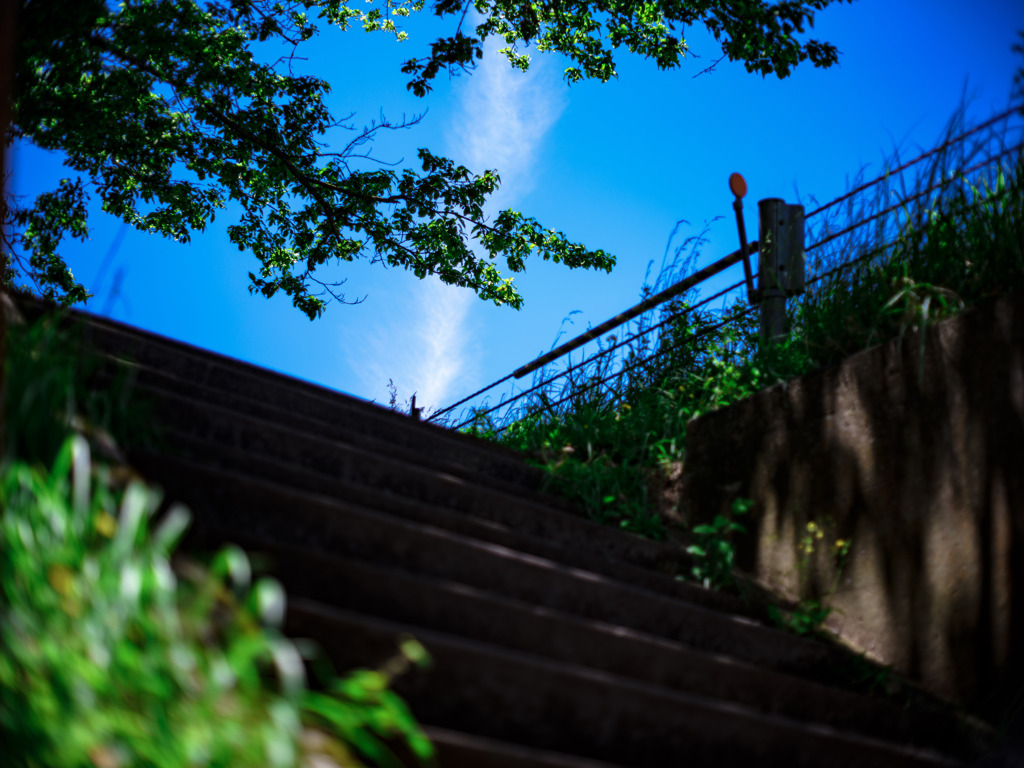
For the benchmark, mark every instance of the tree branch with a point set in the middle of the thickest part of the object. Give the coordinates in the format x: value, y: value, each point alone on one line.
x: 304, y: 180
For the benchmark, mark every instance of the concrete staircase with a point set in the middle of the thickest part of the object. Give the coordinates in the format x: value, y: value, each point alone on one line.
x: 556, y: 642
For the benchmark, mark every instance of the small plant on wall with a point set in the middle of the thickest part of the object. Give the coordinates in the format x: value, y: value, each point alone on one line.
x: 810, y: 613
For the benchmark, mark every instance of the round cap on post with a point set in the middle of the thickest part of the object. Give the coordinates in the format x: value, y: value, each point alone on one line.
x: 738, y: 185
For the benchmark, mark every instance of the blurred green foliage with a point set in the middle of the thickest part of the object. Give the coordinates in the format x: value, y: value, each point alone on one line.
x: 117, y: 651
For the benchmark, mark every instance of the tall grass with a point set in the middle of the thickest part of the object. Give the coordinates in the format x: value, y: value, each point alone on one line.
x: 611, y: 430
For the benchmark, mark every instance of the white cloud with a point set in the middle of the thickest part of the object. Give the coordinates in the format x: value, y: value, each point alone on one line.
x: 421, y: 346
x: 445, y: 358
x: 500, y: 123
x: 503, y: 118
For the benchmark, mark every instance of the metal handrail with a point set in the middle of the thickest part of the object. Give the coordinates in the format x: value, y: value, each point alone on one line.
x: 923, y: 156
x: 649, y: 303
x: 606, y: 351
x: 623, y: 317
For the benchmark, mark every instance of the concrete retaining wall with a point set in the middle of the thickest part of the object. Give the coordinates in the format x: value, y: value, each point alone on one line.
x: 920, y: 464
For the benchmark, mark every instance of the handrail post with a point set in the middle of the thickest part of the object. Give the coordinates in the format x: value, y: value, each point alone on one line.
x: 738, y: 186
x: 781, y: 265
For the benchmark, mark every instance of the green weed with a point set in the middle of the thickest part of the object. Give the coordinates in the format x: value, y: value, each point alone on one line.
x: 713, y: 551
x: 112, y: 657
x: 805, y: 619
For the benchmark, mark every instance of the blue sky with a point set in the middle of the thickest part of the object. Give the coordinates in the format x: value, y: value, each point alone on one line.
x: 613, y: 165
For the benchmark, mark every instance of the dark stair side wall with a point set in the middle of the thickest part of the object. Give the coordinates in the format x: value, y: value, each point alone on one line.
x: 916, y: 459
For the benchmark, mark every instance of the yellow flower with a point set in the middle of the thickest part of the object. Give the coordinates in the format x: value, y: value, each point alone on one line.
x: 106, y: 524
x: 60, y: 578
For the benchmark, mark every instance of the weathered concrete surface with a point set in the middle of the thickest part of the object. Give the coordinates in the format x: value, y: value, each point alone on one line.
x: 919, y: 461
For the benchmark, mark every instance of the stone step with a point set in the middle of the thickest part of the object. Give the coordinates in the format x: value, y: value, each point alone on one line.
x: 463, y: 750
x: 570, y: 541
x: 263, y: 450
x: 291, y: 447
x: 178, y: 400
x: 346, y: 530
x: 416, y: 601
x: 261, y: 390
x: 564, y: 707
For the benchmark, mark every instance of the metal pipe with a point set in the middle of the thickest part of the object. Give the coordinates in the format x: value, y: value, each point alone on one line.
x: 738, y: 186
x: 674, y: 290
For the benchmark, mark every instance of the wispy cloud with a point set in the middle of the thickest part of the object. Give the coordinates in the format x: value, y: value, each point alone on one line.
x: 500, y: 121
x: 421, y: 345
x: 503, y: 118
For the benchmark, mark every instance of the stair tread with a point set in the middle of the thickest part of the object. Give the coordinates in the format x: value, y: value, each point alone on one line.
x: 220, y: 428
x: 371, y: 535
x: 473, y: 465
x: 608, y: 716
x: 447, y: 606
x: 107, y: 334
x: 463, y: 750
x: 524, y: 517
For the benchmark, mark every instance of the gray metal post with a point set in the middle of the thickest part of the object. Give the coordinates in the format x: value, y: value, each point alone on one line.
x: 781, y: 265
x: 795, y: 251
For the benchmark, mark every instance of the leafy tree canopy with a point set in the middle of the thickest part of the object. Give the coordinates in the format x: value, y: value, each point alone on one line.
x: 165, y: 110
